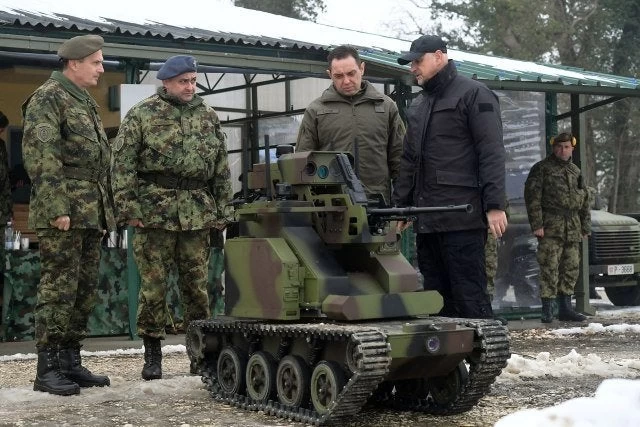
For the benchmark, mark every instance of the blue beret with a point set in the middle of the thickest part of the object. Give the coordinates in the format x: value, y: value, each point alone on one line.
x: 177, y: 65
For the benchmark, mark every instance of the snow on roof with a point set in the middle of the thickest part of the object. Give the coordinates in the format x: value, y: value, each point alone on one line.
x: 223, y: 22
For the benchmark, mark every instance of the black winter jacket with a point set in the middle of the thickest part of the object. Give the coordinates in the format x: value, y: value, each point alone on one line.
x: 452, y: 153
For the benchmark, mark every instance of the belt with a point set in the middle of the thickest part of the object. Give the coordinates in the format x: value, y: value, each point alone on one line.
x: 172, y: 181
x: 82, y: 174
x: 567, y: 213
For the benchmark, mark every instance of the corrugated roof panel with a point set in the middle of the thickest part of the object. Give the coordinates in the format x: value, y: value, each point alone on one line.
x: 221, y: 24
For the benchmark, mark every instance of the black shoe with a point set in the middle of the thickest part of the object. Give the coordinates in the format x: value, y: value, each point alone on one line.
x: 48, y: 376
x: 71, y: 367
x: 566, y: 312
x: 546, y: 316
x: 152, y: 369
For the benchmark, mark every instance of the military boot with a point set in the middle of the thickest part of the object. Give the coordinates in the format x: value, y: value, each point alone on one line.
x: 71, y: 367
x: 547, y: 311
x: 152, y: 369
x: 48, y: 376
x: 566, y: 312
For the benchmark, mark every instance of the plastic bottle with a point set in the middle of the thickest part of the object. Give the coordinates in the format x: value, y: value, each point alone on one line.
x: 8, y: 236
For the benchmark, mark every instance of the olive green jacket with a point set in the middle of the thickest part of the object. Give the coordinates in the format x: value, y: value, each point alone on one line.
x: 557, y: 200
x: 162, y: 136
x: 334, y: 122
x: 67, y: 156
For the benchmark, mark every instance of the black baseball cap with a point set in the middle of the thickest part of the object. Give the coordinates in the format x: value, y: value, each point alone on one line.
x: 422, y: 45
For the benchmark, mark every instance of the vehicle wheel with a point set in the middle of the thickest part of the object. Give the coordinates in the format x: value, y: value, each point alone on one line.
x: 623, y: 295
x: 261, y: 376
x: 414, y: 388
x: 231, y: 370
x: 292, y: 381
x: 446, y: 389
x: 327, y: 381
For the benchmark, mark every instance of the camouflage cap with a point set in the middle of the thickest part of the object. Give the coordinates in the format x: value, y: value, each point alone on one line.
x: 177, y: 65
x: 80, y: 46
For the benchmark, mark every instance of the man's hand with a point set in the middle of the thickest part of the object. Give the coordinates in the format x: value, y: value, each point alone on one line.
x: 539, y: 232
x: 62, y: 223
x: 497, y: 220
x: 136, y: 222
x: 402, y: 225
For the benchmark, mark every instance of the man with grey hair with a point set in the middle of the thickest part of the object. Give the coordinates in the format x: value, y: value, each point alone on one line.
x: 453, y: 154
x: 67, y: 156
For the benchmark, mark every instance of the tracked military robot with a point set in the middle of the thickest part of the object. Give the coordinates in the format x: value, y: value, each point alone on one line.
x: 324, y: 314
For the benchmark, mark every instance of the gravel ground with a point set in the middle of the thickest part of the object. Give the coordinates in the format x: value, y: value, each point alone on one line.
x: 180, y: 399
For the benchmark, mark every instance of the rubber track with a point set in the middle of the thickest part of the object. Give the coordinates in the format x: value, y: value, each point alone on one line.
x: 372, y: 358
x: 491, y: 353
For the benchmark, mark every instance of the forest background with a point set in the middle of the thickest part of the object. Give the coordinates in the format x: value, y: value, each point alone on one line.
x: 595, y: 35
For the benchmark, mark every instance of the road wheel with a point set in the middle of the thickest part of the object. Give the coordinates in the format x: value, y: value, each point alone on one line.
x: 231, y: 369
x: 292, y: 380
x: 327, y: 381
x: 261, y: 376
x: 447, y: 388
x: 624, y: 295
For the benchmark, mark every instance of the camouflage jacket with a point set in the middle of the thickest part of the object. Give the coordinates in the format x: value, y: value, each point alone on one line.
x: 334, y: 123
x: 161, y: 136
x: 67, y: 155
x: 6, y: 205
x: 557, y: 200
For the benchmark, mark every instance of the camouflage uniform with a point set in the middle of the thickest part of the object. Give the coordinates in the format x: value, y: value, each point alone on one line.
x: 171, y: 172
x: 335, y: 122
x: 557, y: 201
x: 67, y: 156
x: 491, y: 262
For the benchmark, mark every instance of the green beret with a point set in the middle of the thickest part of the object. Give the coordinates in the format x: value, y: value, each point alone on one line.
x: 80, y: 46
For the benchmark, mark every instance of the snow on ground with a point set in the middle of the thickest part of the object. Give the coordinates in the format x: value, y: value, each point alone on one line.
x: 616, y: 402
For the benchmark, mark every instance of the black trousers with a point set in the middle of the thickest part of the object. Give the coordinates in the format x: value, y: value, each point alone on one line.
x: 453, y: 263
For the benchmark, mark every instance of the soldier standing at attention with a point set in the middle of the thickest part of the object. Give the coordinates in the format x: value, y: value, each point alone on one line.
x: 352, y: 112
x: 558, y: 208
x: 171, y: 182
x: 67, y: 156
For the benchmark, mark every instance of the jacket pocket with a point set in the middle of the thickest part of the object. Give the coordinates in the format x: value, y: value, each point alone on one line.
x: 456, y: 178
x: 163, y: 136
x: 81, y: 124
x: 445, y: 104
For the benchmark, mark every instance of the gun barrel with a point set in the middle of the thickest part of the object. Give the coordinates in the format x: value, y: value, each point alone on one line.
x: 413, y: 210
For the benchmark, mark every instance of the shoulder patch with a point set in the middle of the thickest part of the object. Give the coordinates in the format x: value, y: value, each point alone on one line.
x: 118, y: 143
x: 485, y: 107
x: 44, y: 132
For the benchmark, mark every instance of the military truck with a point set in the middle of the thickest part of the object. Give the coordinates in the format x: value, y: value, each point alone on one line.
x: 614, y: 255
x: 614, y: 258
x: 324, y: 314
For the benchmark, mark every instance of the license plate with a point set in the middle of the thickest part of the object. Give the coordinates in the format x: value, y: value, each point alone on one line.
x: 613, y: 270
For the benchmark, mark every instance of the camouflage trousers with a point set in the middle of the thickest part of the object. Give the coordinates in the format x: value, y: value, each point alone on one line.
x: 67, y: 290
x: 491, y: 262
x: 559, y: 266
x: 156, y: 251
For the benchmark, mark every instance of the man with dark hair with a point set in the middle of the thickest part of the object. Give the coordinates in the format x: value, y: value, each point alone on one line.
x: 172, y: 183
x: 67, y: 156
x: 453, y: 154
x: 352, y: 116
x: 560, y: 217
